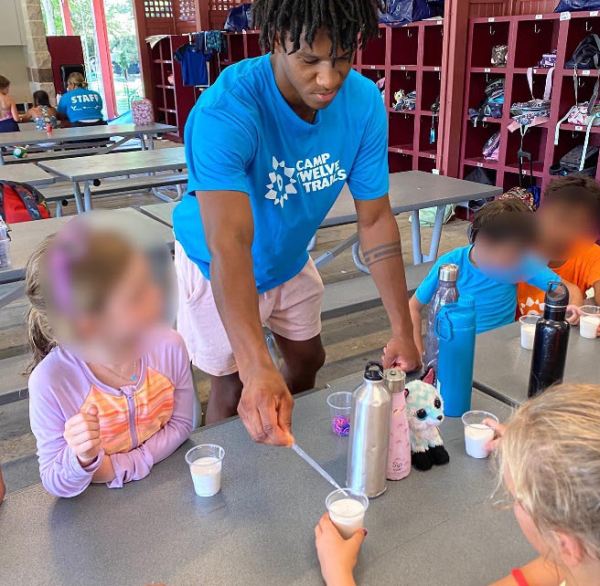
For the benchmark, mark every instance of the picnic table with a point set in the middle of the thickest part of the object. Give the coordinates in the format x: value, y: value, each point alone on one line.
x: 62, y: 136
x: 26, y: 236
x: 26, y: 173
x: 259, y: 529
x: 82, y: 171
x: 410, y: 191
x: 502, y: 366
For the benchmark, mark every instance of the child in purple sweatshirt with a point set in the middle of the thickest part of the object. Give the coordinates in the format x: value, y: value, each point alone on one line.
x: 111, y: 393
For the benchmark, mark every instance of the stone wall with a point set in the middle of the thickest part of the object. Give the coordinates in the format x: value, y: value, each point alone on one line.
x: 39, y: 70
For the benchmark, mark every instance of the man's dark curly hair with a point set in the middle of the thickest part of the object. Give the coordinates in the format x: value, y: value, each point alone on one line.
x: 350, y: 23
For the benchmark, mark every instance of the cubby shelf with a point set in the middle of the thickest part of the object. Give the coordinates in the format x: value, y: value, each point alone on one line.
x: 527, y: 38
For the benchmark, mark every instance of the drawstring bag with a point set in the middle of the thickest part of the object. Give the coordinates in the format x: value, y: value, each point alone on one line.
x: 399, y: 12
x: 535, y: 111
x: 405, y: 101
x: 493, y: 103
x: 491, y: 148
x: 577, y: 5
x: 586, y: 53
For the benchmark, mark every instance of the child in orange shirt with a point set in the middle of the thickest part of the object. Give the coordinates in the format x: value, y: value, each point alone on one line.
x: 568, y: 224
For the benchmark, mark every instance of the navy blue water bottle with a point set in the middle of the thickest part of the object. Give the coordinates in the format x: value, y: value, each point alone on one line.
x: 455, y: 328
x: 551, y: 341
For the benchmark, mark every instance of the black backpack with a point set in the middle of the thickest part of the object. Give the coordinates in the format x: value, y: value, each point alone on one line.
x: 571, y: 162
x: 586, y: 55
x: 492, y: 104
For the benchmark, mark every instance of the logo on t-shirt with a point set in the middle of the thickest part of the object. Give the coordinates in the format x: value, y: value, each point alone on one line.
x: 313, y: 173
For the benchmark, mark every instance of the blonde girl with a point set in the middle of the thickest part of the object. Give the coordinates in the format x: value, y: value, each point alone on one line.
x: 111, y: 393
x: 549, y: 457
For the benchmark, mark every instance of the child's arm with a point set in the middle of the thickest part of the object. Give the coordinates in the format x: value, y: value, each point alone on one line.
x: 61, y: 471
x: 337, y: 555
x: 416, y: 309
x: 27, y: 117
x: 539, y: 572
x: 13, y: 110
x: 575, y: 294
x: 137, y: 463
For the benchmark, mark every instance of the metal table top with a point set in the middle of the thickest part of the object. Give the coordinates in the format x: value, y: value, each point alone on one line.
x: 26, y: 236
x: 414, y: 190
x: 81, y: 133
x: 25, y: 173
x: 259, y: 529
x: 502, y: 366
x: 116, y: 164
x: 410, y: 190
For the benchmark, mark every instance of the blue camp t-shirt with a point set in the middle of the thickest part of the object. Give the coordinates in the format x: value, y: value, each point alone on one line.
x: 243, y: 136
x: 495, y: 296
x: 81, y: 104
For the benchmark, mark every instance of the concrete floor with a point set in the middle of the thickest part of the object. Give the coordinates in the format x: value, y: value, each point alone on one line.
x: 349, y: 340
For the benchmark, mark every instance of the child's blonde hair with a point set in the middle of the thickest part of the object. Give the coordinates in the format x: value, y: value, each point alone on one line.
x: 76, y: 79
x: 551, y: 453
x: 4, y: 83
x: 90, y: 264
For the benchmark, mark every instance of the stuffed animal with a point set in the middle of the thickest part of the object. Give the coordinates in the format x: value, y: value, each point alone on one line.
x: 425, y: 414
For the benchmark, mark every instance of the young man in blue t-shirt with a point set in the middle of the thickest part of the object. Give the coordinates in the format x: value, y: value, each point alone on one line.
x: 269, y: 147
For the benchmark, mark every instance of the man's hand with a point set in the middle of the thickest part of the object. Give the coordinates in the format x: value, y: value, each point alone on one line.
x: 82, y: 434
x: 402, y: 352
x: 266, y: 407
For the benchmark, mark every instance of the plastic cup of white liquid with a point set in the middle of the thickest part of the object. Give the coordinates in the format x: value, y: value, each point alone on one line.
x: 340, y: 407
x: 347, y: 511
x: 477, y: 433
x: 589, y: 321
x: 206, y: 462
x: 528, y: 323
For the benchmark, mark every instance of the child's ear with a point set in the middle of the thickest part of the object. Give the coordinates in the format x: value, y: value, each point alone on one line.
x: 570, y: 549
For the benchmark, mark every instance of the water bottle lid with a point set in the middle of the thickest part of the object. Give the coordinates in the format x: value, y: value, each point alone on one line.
x: 557, y: 295
x: 373, y: 371
x: 448, y: 272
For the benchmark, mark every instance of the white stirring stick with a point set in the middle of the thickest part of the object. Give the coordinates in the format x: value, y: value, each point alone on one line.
x: 315, y: 466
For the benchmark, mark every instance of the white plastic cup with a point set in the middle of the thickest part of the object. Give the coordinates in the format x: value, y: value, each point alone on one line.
x: 477, y: 433
x: 347, y: 511
x: 589, y: 321
x: 340, y: 407
x: 206, y: 462
x: 528, y: 323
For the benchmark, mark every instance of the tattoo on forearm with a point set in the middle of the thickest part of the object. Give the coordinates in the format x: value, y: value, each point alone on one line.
x: 382, y: 252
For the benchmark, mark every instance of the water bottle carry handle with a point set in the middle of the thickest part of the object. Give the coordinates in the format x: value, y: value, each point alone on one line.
x: 441, y: 320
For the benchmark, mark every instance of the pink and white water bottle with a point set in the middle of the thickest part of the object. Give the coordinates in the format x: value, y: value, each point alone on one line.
x: 399, y: 453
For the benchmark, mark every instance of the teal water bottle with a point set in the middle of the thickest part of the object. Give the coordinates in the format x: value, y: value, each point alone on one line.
x: 455, y: 328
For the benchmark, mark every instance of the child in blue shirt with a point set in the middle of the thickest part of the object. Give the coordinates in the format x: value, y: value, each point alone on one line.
x: 490, y: 267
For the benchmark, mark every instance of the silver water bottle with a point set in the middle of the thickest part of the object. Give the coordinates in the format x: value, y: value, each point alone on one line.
x: 369, y: 434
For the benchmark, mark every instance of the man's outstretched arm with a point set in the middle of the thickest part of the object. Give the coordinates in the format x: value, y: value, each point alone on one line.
x: 266, y: 403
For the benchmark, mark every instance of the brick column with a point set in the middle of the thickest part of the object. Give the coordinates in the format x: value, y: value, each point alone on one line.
x: 39, y: 68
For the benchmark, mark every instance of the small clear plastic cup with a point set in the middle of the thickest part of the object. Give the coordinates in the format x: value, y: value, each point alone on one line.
x: 589, y: 321
x: 340, y: 407
x: 347, y: 510
x: 206, y: 463
x: 477, y: 433
x: 528, y: 323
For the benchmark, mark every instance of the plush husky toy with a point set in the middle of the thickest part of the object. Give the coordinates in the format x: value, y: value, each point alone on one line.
x: 425, y: 414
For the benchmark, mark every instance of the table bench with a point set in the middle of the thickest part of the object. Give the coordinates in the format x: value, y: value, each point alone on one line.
x: 84, y: 134
x: 83, y: 171
x: 61, y: 193
x: 502, y: 367
x: 259, y: 529
x: 26, y: 173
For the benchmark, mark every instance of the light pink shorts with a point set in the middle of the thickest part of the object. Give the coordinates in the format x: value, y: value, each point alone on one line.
x: 292, y: 310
